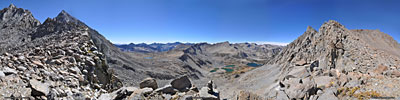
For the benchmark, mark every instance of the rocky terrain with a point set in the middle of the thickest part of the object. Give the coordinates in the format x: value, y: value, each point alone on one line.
x: 64, y: 59
x: 56, y: 60
x: 332, y: 63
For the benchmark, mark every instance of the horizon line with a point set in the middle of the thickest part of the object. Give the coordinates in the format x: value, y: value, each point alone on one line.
x: 256, y: 42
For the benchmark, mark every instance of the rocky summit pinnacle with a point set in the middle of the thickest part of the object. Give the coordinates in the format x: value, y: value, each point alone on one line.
x: 64, y: 17
x: 15, y: 25
x: 11, y: 6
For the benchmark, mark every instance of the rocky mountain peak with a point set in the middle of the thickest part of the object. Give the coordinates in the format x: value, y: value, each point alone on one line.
x: 14, y: 15
x: 332, y: 24
x: 15, y: 25
x: 310, y: 29
x: 334, y: 47
x: 12, y: 6
x: 64, y: 17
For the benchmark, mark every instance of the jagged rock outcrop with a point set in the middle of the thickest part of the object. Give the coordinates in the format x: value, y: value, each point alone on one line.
x: 15, y: 26
x: 336, y: 59
x: 58, y: 60
x: 334, y: 63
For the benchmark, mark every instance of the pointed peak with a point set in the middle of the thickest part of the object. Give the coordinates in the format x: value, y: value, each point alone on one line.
x: 63, y: 14
x: 64, y: 17
x: 333, y: 23
x: 309, y: 28
x: 12, y: 6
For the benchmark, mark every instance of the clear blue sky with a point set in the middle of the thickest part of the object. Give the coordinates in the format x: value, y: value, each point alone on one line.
x: 125, y: 21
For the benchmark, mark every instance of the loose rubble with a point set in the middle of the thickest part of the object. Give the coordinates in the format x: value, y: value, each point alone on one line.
x: 167, y: 92
x: 57, y: 64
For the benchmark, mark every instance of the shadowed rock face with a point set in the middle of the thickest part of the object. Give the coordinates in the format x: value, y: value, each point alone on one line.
x: 15, y: 26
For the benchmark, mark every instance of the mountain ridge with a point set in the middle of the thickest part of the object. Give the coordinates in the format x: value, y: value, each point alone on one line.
x: 327, y: 60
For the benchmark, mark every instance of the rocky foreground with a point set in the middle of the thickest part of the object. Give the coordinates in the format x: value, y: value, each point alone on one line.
x: 179, y: 89
x: 64, y: 59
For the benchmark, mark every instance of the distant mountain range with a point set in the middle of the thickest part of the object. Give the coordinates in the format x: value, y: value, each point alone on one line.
x: 149, y: 48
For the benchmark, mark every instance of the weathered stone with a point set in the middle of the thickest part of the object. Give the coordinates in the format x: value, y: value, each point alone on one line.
x: 21, y: 68
x: 299, y: 72
x: 118, y: 94
x: 2, y: 75
x: 149, y: 82
x: 90, y: 63
x: 328, y: 95
x: 131, y: 89
x: 245, y: 95
x: 182, y: 83
x: 281, y: 96
x: 323, y: 81
x: 187, y: 97
x: 9, y: 71
x: 204, y: 95
x: 297, y: 88
x: 107, y: 97
x: 168, y: 89
x: 74, y: 70
x: 146, y: 91
x: 301, y: 62
x: 39, y: 88
x: 395, y: 73
x: 38, y: 63
x: 353, y: 83
x: 380, y: 69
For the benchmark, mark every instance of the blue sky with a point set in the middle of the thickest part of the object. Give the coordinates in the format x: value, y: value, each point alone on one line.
x: 282, y: 21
